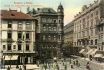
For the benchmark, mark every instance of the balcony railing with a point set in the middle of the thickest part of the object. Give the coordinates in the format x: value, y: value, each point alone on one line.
x: 7, y: 40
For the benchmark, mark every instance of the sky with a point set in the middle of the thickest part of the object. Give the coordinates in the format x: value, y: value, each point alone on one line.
x: 71, y: 7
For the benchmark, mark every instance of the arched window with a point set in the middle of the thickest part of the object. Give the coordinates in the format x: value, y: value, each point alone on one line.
x: 49, y: 28
x: 44, y: 28
x: 91, y: 42
x: 60, y: 29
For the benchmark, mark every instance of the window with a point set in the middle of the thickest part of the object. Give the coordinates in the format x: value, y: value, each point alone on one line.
x: 27, y: 35
x: 91, y: 15
x: 49, y: 46
x: 59, y: 21
x: 27, y: 47
x: 28, y: 25
x: 49, y: 37
x: 54, y: 28
x: 49, y: 28
x: 44, y: 28
x: 60, y: 29
x: 9, y: 35
x: 12, y: 15
x: 102, y: 28
x: 19, y: 25
x: 9, y: 25
x: 95, y: 41
x: 96, y: 12
x: 9, y: 47
x: 19, y: 46
x: 91, y: 42
x: 54, y: 37
x: 91, y: 32
x: 54, y: 46
x: 19, y: 35
x: 59, y: 37
x: 44, y: 37
x: 14, y: 46
x: 54, y: 21
x: 4, y: 47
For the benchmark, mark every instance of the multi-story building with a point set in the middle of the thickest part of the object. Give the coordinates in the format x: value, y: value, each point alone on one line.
x: 85, y: 30
x: 100, y: 46
x: 68, y: 38
x: 49, y: 30
x: 18, y: 36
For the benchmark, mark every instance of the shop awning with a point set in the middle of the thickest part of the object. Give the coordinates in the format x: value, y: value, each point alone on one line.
x: 89, y: 51
x: 82, y: 51
x: 98, y: 55
x: 93, y: 52
x: 102, y: 57
x: 13, y: 57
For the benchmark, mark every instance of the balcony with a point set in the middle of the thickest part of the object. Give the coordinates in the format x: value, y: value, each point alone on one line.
x: 19, y: 40
x: 27, y: 40
x: 7, y: 40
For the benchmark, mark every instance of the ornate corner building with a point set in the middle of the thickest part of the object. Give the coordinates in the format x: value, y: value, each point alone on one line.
x: 49, y: 31
x: 17, y: 37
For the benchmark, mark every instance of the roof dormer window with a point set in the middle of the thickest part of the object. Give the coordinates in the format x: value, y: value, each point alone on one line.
x: 12, y: 15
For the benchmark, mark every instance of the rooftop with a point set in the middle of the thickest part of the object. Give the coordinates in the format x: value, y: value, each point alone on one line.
x: 14, y: 14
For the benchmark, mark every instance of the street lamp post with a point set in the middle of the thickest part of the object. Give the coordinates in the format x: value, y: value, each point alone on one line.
x: 23, y: 51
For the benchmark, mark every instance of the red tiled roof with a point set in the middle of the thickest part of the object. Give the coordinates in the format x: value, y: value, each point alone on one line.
x: 13, y: 14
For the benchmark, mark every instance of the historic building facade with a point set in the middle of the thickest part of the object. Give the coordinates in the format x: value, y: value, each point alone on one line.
x: 100, y: 46
x: 49, y: 31
x: 68, y: 39
x: 18, y: 36
x: 85, y: 30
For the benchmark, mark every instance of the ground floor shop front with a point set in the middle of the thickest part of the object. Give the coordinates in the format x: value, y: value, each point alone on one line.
x: 15, y: 59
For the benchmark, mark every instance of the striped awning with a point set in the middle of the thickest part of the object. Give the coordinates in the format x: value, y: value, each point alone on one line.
x: 82, y: 51
x: 89, y: 51
x: 13, y: 57
x: 98, y: 55
x: 93, y: 52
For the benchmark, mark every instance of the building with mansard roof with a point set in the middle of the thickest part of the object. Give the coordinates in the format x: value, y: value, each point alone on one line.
x: 49, y: 31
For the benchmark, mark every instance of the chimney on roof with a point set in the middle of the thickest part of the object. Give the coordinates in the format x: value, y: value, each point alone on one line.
x: 8, y: 9
x: 18, y: 9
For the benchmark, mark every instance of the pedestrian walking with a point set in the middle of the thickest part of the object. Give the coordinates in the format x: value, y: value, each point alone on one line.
x: 20, y: 68
x: 76, y: 62
x: 8, y: 68
x: 71, y: 65
x: 87, y: 66
x: 45, y: 66
x: 69, y: 61
x: 73, y: 61
x: 65, y: 66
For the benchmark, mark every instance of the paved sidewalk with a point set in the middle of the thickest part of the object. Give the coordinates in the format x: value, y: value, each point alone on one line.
x: 93, y: 61
x: 28, y: 67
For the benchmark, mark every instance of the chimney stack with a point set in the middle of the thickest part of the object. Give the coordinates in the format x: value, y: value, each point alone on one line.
x: 8, y: 9
x: 18, y: 9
